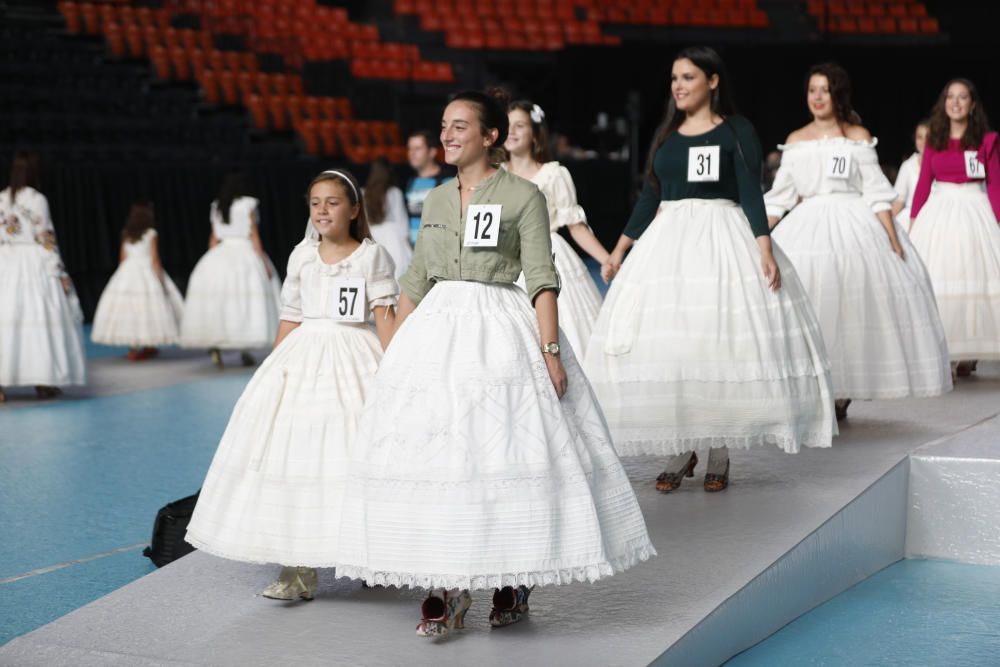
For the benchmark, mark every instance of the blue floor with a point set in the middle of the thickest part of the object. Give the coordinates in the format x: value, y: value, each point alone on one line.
x: 83, y: 478
x: 914, y: 613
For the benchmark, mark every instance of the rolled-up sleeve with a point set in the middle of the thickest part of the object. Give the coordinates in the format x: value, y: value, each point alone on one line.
x: 380, y: 283
x: 291, y: 292
x: 876, y: 190
x: 536, y: 247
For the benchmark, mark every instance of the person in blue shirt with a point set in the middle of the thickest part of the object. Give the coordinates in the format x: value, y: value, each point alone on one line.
x: 422, y: 151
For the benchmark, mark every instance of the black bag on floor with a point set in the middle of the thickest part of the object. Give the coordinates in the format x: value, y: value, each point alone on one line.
x: 168, y: 531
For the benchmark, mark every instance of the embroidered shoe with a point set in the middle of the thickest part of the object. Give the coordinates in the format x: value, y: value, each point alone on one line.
x: 510, y: 605
x: 441, y: 615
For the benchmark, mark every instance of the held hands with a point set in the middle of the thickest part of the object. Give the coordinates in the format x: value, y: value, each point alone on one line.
x: 612, y: 265
x: 557, y: 374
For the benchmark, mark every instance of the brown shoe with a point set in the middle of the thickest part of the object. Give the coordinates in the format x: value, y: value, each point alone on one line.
x: 715, y: 483
x: 668, y: 481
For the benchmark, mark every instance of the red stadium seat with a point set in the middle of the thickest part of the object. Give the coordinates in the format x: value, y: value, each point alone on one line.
x: 309, y: 132
x: 929, y: 25
x: 258, y: 111
x: 328, y: 136
x: 227, y: 81
x: 71, y: 12
x: 181, y: 63
x: 276, y: 105
x: 115, y: 36
x: 133, y: 38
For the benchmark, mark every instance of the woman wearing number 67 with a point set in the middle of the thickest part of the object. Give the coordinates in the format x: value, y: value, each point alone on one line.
x: 273, y: 492
x: 956, y: 207
x: 482, y: 459
x: 706, y: 339
x: 868, y: 287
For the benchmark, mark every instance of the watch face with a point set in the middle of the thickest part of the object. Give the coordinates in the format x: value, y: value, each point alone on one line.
x: 552, y: 348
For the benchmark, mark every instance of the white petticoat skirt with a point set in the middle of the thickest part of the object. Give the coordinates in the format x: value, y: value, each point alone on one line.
x: 136, y: 309
x: 878, y: 315
x: 273, y: 492
x: 469, y: 472
x: 692, y: 350
x: 41, y: 337
x: 579, y: 299
x: 231, y: 303
x: 958, y: 237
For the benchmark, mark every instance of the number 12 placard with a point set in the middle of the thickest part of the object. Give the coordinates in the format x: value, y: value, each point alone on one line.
x: 482, y: 225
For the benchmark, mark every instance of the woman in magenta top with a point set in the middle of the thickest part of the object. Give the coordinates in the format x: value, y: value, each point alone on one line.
x: 954, y: 227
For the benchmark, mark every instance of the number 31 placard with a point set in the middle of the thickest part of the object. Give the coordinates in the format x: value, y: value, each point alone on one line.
x: 347, y: 300
x: 482, y: 225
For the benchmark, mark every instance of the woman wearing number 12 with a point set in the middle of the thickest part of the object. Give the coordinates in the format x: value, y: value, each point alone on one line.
x: 868, y: 286
x: 955, y: 226
x: 706, y: 339
x: 274, y: 489
x: 482, y: 459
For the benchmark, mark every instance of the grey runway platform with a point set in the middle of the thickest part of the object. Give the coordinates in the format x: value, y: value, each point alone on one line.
x: 734, y: 567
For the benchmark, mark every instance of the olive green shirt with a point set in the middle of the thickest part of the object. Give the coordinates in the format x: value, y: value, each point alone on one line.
x: 523, y: 244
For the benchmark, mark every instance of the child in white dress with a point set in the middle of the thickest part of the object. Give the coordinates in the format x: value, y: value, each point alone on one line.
x: 527, y: 147
x: 41, y: 337
x: 234, y: 293
x: 273, y: 492
x: 140, y: 307
x: 387, y: 216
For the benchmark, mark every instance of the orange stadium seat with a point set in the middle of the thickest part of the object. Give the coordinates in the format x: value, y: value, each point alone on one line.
x: 258, y: 111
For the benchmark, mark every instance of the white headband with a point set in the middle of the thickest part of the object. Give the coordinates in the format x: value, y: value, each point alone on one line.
x: 536, y: 113
x: 346, y: 178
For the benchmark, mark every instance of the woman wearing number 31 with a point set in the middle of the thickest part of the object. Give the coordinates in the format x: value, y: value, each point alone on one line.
x: 482, y: 459
x: 706, y: 339
x: 870, y: 291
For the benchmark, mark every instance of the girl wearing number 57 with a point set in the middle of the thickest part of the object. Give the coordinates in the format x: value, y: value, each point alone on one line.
x: 868, y: 286
x: 706, y: 340
x: 482, y: 459
x: 273, y: 492
x: 956, y: 208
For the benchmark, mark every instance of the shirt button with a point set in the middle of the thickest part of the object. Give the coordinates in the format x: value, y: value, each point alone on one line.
x: 456, y: 261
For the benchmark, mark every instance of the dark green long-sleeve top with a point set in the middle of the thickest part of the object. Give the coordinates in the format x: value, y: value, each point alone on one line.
x: 739, y: 178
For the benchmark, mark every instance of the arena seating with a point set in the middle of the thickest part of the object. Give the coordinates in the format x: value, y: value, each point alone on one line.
x: 872, y: 16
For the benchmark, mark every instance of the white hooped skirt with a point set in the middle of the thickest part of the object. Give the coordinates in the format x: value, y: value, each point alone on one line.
x: 692, y: 350
x: 958, y: 237
x: 469, y: 472
x: 136, y: 309
x: 41, y: 337
x: 880, y: 322
x: 231, y: 303
x: 579, y: 299
x: 274, y: 490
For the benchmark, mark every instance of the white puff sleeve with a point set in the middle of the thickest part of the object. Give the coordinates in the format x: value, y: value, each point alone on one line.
x: 291, y: 289
x: 783, y: 195
x: 562, y: 193
x: 381, y: 287
x: 876, y: 189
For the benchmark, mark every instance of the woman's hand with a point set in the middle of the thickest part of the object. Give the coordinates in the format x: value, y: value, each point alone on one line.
x: 612, y: 265
x: 67, y: 284
x: 898, y: 249
x: 557, y: 374
x: 771, y: 273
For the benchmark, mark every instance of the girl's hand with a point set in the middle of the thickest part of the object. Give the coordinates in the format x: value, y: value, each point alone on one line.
x: 771, y: 272
x: 557, y: 374
x: 898, y: 249
x: 612, y: 265
x: 67, y: 285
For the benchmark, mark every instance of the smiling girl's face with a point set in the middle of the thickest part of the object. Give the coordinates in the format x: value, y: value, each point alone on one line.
x: 690, y: 87
x: 331, y: 210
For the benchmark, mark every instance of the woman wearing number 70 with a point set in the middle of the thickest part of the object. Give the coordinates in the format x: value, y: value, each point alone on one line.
x: 956, y: 206
x: 274, y: 489
x: 868, y: 286
x: 706, y: 339
x: 482, y: 459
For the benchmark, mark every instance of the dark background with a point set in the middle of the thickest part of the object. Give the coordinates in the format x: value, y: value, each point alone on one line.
x: 895, y: 83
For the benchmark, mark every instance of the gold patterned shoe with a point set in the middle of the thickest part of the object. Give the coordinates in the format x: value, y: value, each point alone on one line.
x: 293, y: 583
x: 443, y: 613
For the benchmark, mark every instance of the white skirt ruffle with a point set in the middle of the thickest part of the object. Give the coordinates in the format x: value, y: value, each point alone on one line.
x: 136, y: 309
x: 273, y: 492
x: 880, y: 322
x: 692, y: 350
x: 231, y: 303
x: 41, y: 337
x: 469, y: 472
x: 958, y: 237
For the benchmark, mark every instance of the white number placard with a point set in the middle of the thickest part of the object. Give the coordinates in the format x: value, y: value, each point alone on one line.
x: 482, y: 225
x: 973, y: 167
x: 703, y: 164
x: 838, y: 164
x: 347, y: 299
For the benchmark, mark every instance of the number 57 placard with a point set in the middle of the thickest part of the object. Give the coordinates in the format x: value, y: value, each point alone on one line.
x: 347, y: 300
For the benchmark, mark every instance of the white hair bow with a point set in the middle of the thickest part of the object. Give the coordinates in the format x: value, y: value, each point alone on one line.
x: 537, y: 115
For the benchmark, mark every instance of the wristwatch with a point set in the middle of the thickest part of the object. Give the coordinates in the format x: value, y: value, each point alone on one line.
x: 551, y: 348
